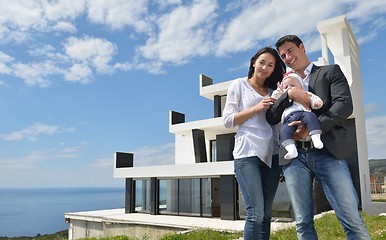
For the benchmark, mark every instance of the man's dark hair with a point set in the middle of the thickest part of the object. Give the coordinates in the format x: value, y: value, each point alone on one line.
x: 288, y: 38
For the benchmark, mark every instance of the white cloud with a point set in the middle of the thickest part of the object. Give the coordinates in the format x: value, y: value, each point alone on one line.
x: 96, y: 52
x: 43, y: 50
x: 64, y: 27
x: 22, y: 15
x: 5, y: 57
x: 34, y: 159
x: 154, y: 67
x: 4, y: 60
x: 167, y: 3
x: 73, y: 149
x: 62, y: 9
x: 156, y: 155
x: 80, y: 73
x: 35, y: 73
x: 103, y: 163
x: 144, y: 156
x: 167, y: 32
x: 270, y: 19
x: 369, y: 19
x: 185, y: 32
x: 12, y: 35
x: 372, y: 108
x: 47, y: 51
x: 126, y: 66
x: 376, y: 136
x: 361, y: 9
x: 81, y: 58
x: 119, y: 13
x: 4, y: 69
x: 33, y: 132
x: 21, y: 20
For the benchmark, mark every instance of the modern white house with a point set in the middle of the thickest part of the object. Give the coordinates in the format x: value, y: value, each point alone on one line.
x: 201, y: 182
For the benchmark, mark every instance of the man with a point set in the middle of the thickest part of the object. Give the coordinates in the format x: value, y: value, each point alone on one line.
x: 326, y: 164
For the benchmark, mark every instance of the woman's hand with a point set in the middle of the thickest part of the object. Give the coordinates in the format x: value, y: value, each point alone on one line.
x: 265, y: 104
x: 243, y: 116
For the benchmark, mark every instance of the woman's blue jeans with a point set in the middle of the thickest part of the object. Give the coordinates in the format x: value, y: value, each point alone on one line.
x: 335, y: 178
x: 258, y: 184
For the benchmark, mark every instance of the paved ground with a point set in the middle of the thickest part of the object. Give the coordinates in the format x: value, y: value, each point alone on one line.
x: 118, y: 215
x: 183, y: 222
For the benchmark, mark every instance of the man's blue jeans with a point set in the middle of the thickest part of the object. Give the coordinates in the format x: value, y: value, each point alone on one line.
x: 258, y: 184
x: 335, y: 178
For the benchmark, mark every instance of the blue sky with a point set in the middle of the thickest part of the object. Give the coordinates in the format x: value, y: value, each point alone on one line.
x: 80, y: 80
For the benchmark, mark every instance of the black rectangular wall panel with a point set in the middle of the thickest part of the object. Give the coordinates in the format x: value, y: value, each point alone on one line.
x: 228, y: 198
x: 225, y: 144
x: 130, y: 195
x: 199, y: 145
x: 124, y: 160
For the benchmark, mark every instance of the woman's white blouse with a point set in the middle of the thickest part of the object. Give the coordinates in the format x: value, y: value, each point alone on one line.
x: 254, y: 137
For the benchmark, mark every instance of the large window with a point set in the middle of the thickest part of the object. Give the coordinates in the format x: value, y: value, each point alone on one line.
x: 213, y: 151
x: 189, y: 197
x: 168, y: 196
x: 142, y: 196
x: 207, y: 195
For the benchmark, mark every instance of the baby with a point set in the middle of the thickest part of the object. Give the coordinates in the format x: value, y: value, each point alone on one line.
x: 297, y: 112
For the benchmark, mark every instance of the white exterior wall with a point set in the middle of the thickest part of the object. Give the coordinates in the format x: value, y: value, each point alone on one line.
x: 184, y: 140
x: 184, y: 149
x: 177, y: 171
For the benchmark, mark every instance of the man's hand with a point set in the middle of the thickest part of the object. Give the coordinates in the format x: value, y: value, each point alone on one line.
x: 301, y: 132
x: 300, y: 96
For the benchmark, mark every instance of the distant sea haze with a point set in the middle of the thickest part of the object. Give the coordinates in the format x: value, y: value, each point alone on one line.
x: 32, y: 211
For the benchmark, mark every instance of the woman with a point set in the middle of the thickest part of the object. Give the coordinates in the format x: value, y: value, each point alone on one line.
x: 256, y: 148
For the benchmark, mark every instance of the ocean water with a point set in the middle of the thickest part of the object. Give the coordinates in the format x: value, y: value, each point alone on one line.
x: 28, y: 212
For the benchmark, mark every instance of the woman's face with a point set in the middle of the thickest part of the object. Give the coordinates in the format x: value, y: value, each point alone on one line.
x: 264, y: 65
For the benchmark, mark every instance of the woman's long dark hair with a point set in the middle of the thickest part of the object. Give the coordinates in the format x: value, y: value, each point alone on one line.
x: 278, y: 71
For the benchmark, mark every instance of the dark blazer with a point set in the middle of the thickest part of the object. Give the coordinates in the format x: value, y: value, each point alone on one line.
x: 330, y: 84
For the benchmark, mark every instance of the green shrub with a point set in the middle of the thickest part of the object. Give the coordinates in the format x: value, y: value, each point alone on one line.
x: 203, y: 234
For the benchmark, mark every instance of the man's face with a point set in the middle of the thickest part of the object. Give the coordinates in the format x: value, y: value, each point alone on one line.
x: 294, y: 56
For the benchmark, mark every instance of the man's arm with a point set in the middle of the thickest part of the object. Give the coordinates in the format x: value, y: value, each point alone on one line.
x: 341, y: 102
x: 274, y: 113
